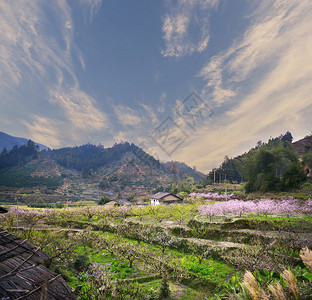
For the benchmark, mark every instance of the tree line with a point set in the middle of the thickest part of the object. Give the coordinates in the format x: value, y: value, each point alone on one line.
x: 88, y: 158
x: 18, y: 156
x: 271, y: 166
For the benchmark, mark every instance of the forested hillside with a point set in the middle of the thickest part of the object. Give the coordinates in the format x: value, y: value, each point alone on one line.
x: 271, y: 166
x: 88, y: 158
x: 17, y: 168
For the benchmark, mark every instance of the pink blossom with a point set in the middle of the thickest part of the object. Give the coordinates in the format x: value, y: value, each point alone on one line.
x: 13, y: 210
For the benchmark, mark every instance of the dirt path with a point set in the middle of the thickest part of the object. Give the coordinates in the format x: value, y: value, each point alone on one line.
x: 275, y: 234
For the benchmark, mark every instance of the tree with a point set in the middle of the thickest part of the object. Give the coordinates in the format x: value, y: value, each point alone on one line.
x: 287, y: 137
x: 162, y: 239
x: 109, y: 244
x: 307, y: 161
x: 59, y: 249
x: 272, y: 167
x: 105, y: 199
x: 162, y: 212
x: 232, y: 167
x: 201, y: 251
x: 173, y: 168
x: 129, y: 252
x: 31, y: 218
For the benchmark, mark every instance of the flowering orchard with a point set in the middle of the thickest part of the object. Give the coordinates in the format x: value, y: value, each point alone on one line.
x: 261, y: 207
x: 212, y: 196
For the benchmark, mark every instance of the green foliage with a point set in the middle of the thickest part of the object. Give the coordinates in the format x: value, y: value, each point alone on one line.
x: 81, y: 263
x: 164, y: 291
x: 293, y: 177
x: 21, y: 176
x: 88, y: 158
x: 18, y: 156
x: 105, y: 199
x: 307, y: 160
x: 130, y: 197
x: 232, y: 167
x: 272, y: 167
x: 181, y: 213
x: 186, y: 185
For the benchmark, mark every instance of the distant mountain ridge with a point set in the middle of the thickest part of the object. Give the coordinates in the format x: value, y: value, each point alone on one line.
x: 89, y: 171
x: 8, y: 141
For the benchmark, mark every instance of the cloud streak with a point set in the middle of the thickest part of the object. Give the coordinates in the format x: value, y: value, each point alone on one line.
x: 43, y: 130
x: 127, y: 116
x: 185, y: 27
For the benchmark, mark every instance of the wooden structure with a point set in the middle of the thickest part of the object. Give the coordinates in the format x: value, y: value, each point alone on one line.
x: 20, y: 275
x: 118, y: 202
x: 165, y: 198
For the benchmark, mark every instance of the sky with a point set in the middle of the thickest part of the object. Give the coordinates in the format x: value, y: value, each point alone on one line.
x: 188, y: 80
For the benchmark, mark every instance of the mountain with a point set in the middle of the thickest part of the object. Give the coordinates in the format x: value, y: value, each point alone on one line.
x: 84, y: 172
x: 180, y: 169
x: 303, y: 145
x: 8, y: 141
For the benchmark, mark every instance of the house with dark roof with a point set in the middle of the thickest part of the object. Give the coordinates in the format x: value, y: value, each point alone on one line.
x: 165, y: 198
x: 22, y: 276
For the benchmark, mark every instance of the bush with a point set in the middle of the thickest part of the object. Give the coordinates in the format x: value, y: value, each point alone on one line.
x: 81, y: 263
x: 164, y: 291
x: 104, y: 200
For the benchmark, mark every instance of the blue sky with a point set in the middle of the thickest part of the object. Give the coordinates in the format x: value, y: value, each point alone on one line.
x: 103, y: 71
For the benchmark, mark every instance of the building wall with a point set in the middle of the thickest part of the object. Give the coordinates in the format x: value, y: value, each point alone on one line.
x: 169, y: 198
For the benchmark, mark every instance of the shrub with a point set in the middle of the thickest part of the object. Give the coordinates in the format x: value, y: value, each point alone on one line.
x: 164, y: 291
x: 104, y: 200
x: 81, y: 263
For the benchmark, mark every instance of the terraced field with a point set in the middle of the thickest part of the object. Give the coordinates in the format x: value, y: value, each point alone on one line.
x: 174, y: 249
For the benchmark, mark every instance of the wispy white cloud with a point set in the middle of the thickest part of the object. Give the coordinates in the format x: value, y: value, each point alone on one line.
x: 162, y: 102
x: 93, y: 6
x: 79, y: 108
x: 127, y: 116
x: 186, y: 26
x: 43, y: 130
x: 266, y: 77
x: 149, y: 114
x: 39, y: 54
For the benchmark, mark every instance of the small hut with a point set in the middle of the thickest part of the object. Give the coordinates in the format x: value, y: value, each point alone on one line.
x: 118, y: 202
x: 20, y: 275
x: 165, y: 198
x: 123, y: 202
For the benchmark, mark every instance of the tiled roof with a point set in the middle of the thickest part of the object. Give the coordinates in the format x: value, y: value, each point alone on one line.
x: 161, y: 195
x: 20, y: 275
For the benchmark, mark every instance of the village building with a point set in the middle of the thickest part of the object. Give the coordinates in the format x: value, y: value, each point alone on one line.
x: 165, y: 198
x: 119, y: 202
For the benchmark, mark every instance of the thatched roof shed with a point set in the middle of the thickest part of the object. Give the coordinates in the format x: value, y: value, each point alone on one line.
x: 20, y: 275
x: 123, y: 202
